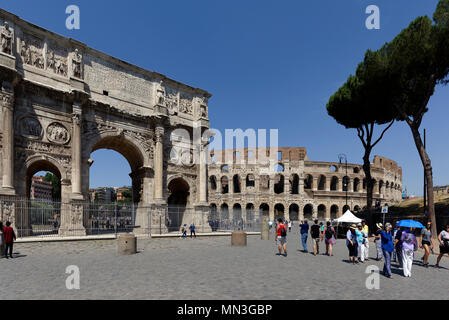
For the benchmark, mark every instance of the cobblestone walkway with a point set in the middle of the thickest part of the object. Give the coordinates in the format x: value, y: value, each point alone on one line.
x: 206, y: 268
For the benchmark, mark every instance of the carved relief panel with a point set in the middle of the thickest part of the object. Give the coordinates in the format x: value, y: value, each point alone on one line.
x: 32, y: 51
x: 57, y: 133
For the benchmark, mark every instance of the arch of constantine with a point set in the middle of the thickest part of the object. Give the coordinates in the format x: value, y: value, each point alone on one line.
x: 62, y: 100
x: 288, y: 185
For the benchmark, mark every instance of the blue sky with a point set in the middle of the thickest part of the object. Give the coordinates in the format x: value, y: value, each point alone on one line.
x: 268, y: 64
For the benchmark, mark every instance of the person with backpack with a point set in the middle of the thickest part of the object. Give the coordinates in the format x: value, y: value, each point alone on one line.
x: 281, y: 237
x: 9, y: 237
x: 315, y: 233
x: 329, y: 238
x: 409, y: 245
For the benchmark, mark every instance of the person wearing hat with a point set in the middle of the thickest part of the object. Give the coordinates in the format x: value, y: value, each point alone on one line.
x: 378, y: 241
x: 387, y: 249
x: 352, y: 243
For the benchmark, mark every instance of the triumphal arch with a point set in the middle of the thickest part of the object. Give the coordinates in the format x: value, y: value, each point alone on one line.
x: 62, y: 100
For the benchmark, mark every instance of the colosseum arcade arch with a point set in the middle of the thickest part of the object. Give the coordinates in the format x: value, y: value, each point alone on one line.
x: 293, y: 212
x: 279, y: 212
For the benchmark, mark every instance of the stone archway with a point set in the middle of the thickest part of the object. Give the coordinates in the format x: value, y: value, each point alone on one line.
x: 178, y: 200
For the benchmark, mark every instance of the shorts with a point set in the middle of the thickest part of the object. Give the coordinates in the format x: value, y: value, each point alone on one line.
x: 424, y: 242
x: 316, y: 240
x: 281, y: 240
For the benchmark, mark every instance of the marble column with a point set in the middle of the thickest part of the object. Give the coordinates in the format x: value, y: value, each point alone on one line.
x: 159, y: 165
x: 8, y: 138
x: 203, y: 173
x: 328, y: 183
x: 76, y: 151
x: 315, y: 184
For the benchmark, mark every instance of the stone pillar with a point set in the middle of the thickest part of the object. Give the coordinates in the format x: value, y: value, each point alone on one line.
x: 8, y: 138
x: 301, y: 185
x: 315, y: 184
x: 159, y: 165
x: 76, y: 152
x: 351, y: 185
x: 327, y: 215
x: 340, y: 185
x: 287, y: 185
x: 328, y: 184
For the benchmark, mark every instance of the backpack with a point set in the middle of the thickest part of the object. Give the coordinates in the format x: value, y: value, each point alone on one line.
x: 283, y: 231
x: 329, y: 233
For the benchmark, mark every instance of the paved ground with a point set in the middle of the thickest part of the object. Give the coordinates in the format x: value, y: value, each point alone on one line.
x: 205, y: 268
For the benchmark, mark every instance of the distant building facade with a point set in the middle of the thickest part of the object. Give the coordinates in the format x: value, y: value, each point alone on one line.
x: 41, y: 189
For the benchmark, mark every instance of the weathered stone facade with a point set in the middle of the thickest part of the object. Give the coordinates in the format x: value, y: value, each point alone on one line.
x: 284, y: 183
x: 62, y: 100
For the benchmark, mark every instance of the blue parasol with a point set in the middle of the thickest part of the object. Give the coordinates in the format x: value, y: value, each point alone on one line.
x: 410, y: 224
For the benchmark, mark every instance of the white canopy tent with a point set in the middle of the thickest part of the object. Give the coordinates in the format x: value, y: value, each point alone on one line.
x: 348, y: 217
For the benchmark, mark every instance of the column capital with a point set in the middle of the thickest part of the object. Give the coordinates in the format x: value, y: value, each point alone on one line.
x: 7, y: 97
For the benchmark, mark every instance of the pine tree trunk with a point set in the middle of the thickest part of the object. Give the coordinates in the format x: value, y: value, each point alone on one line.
x: 369, y: 180
x: 427, y: 164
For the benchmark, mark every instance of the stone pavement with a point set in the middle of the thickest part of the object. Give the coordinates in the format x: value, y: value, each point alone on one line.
x: 205, y: 268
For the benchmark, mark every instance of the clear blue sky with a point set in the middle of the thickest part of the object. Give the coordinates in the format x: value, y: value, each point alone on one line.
x: 269, y: 64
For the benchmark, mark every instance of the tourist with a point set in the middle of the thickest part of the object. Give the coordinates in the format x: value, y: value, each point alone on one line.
x: 361, y: 239
x: 304, y: 230
x: 290, y: 224
x: 366, y: 231
x: 409, y: 246
x: 398, y: 246
x: 281, y: 237
x: 192, y: 230
x: 322, y: 231
x: 9, y: 237
x: 184, y: 232
x: 426, y: 243
x: 2, y: 242
x: 395, y: 230
x: 329, y: 238
x: 444, y: 244
x: 387, y: 249
x: 270, y: 224
x: 351, y: 243
x: 378, y: 241
x: 315, y: 233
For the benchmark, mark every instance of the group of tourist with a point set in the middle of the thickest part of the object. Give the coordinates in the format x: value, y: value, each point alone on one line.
x: 7, y: 237
x: 399, y: 244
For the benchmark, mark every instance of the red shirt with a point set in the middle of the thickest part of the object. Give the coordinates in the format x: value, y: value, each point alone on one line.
x: 279, y: 229
x: 8, y: 234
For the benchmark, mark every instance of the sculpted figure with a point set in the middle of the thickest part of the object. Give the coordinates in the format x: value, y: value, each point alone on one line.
x: 6, y: 39
x: 76, y: 64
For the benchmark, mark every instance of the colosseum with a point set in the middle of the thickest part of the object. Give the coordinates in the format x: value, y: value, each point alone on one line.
x: 286, y: 184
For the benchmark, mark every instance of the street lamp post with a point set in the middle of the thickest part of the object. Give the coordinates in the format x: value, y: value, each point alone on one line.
x: 342, y: 157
